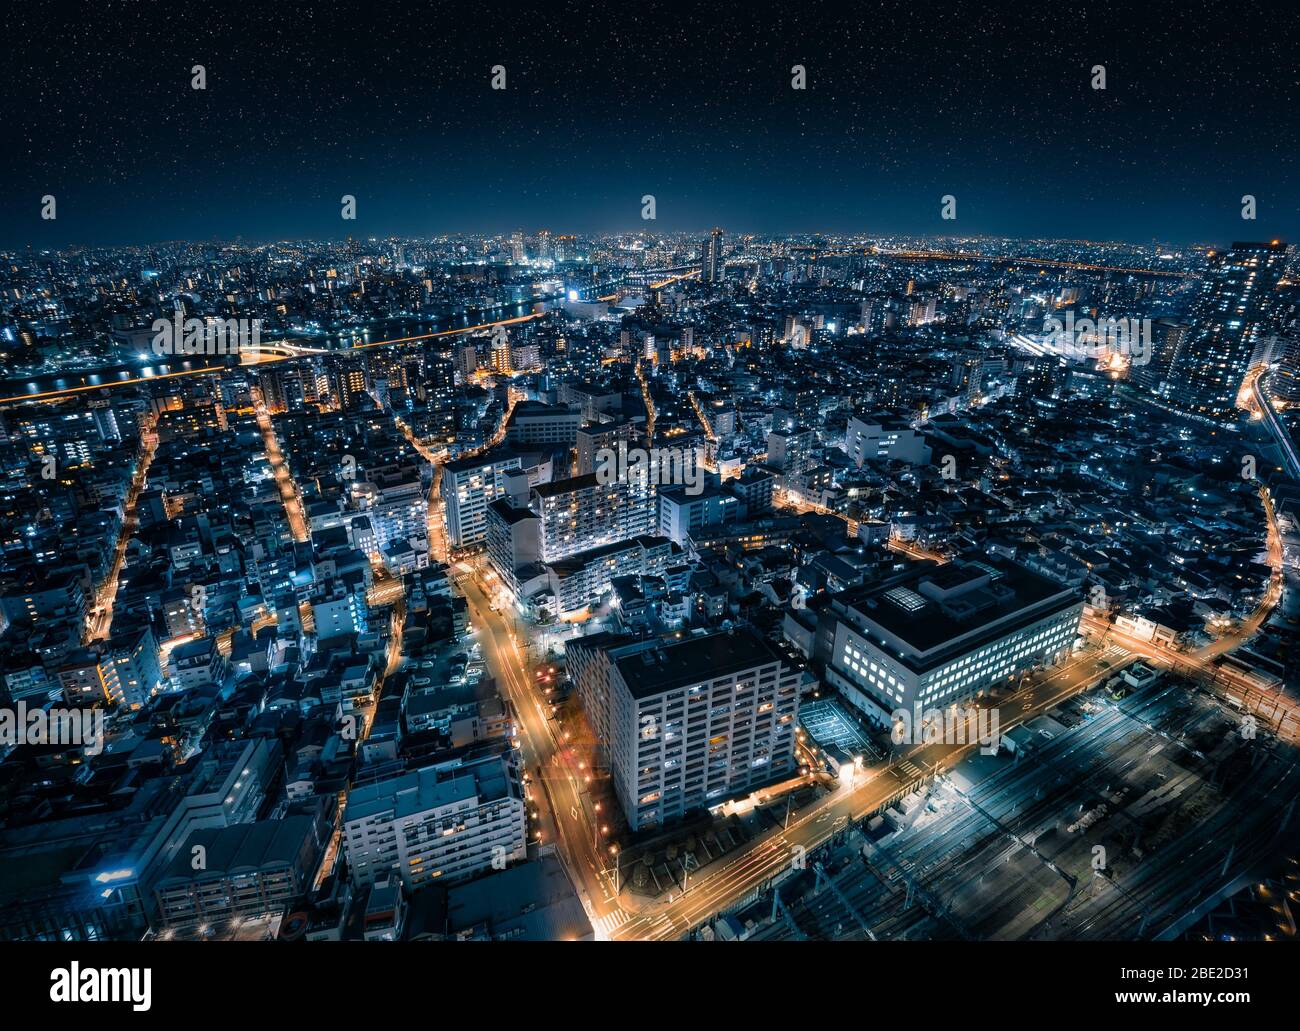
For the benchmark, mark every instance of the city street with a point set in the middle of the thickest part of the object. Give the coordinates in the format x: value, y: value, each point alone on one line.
x: 558, y: 782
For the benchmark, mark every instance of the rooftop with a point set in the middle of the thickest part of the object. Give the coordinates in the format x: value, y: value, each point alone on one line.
x: 665, y: 666
x: 432, y: 787
x: 932, y: 607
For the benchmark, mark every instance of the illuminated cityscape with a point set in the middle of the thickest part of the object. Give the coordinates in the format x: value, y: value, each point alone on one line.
x: 677, y: 567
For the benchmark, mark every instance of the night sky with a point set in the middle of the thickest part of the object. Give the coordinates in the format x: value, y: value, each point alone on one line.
x: 906, y: 102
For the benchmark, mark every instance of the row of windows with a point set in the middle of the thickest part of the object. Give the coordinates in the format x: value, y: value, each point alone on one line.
x: 995, y: 661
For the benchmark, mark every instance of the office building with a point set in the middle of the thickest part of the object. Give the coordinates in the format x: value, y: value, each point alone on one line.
x: 533, y: 422
x: 884, y: 438
x: 936, y: 635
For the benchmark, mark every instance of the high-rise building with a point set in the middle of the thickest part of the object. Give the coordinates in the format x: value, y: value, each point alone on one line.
x: 398, y: 512
x: 792, y: 450
x: 1236, y: 311
x: 353, y: 384
x: 688, y: 723
x: 557, y: 547
x: 1168, y: 337
x: 468, y: 486
x: 711, y: 257
x: 1286, y: 355
x: 580, y: 513
x: 129, y: 668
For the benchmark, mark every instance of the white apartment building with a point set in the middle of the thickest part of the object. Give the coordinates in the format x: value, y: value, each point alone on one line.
x: 580, y: 513
x: 442, y: 822
x: 339, y: 607
x: 398, y: 513
x: 689, y: 723
x: 557, y: 549
x: 469, y: 485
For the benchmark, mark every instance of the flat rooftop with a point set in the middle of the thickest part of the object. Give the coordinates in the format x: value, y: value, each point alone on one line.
x: 933, y: 606
x: 431, y: 788
x: 244, y: 846
x: 573, y: 483
x: 654, y: 670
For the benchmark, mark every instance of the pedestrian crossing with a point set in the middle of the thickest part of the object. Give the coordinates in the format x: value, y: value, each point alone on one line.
x: 606, y: 925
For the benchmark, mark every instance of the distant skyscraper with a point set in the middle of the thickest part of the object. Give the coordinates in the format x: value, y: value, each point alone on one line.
x: 711, y: 257
x: 1237, y: 310
x: 1168, y: 338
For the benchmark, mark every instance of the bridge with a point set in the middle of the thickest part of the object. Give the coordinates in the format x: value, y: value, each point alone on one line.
x: 650, y: 279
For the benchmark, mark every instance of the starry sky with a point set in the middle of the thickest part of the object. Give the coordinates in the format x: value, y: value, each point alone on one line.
x: 906, y: 102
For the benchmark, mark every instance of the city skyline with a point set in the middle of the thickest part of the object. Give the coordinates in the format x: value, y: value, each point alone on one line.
x: 560, y: 473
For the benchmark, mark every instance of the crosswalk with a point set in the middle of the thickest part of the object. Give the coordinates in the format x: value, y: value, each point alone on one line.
x: 908, y: 769
x: 606, y: 925
x: 658, y: 927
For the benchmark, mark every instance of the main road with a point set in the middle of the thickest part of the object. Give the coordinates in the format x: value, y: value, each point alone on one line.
x: 560, y: 771
x: 289, y: 495
x: 100, y: 618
